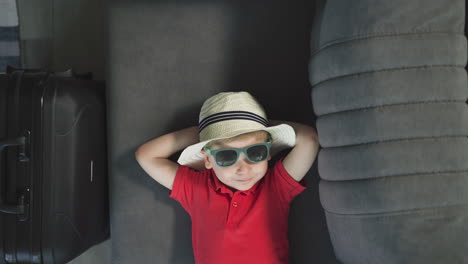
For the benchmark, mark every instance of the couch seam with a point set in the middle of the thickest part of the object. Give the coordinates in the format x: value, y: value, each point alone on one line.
x: 380, y: 36
x: 369, y: 108
x: 390, y: 214
x: 433, y: 138
x: 399, y: 175
x: 404, y: 175
x: 390, y: 70
x: 449, y: 68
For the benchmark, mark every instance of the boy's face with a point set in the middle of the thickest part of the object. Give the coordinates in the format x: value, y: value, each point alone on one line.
x: 243, y: 174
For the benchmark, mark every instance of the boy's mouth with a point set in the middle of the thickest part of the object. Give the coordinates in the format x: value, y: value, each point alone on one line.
x: 244, y: 180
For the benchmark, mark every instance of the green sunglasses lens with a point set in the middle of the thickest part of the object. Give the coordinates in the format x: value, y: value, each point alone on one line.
x: 226, y: 158
x: 257, y: 153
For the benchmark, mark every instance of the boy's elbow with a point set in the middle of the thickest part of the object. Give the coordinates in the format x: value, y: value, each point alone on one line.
x: 139, y: 154
x: 315, y: 137
x: 310, y: 140
x: 313, y: 133
x: 310, y: 135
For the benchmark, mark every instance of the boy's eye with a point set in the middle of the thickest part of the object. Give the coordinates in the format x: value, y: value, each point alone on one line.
x: 226, y: 157
x: 257, y: 153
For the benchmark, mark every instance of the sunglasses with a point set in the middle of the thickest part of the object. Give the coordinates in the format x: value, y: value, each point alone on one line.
x: 226, y: 157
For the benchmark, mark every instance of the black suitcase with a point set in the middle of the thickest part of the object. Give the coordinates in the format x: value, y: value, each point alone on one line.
x: 53, y: 174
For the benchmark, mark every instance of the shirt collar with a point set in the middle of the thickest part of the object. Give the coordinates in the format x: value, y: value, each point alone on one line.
x: 220, y: 187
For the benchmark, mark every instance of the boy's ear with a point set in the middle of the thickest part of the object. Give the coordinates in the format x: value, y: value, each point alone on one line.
x: 207, y: 160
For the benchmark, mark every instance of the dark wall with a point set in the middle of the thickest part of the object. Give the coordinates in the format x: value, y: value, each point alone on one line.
x: 60, y: 35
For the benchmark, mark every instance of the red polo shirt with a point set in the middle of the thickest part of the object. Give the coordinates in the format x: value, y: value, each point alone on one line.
x: 243, y: 227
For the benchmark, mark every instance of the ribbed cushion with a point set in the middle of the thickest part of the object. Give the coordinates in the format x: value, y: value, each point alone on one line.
x: 387, y: 123
x: 389, y: 91
x: 394, y: 158
x: 429, y: 236
x: 341, y: 20
x: 386, y: 53
x: 421, y: 84
x: 383, y: 195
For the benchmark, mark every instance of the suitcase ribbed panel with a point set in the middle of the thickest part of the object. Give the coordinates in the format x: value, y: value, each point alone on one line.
x: 389, y: 92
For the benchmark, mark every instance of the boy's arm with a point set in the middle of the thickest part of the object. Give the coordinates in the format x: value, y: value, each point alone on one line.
x: 153, y: 156
x: 298, y: 162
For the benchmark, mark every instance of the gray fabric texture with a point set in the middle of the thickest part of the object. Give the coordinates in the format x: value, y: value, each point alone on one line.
x: 417, y: 85
x: 433, y: 235
x: 393, y: 158
x: 385, y: 194
x: 389, y: 91
x: 164, y: 59
x: 387, y: 123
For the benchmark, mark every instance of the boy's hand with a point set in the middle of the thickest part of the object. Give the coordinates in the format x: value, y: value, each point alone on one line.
x: 298, y: 162
x: 153, y: 156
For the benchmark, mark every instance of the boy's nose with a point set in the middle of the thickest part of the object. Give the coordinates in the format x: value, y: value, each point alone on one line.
x: 242, y: 163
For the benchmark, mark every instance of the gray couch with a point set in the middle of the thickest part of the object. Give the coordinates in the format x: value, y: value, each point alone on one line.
x: 389, y: 88
x: 164, y: 59
x: 388, y: 94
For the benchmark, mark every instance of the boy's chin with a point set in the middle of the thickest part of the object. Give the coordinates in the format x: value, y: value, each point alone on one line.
x: 243, y: 187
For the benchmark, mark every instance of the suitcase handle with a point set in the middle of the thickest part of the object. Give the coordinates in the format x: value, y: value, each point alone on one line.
x: 8, y: 142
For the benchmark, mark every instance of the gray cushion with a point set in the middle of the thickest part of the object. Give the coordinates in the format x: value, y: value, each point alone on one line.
x: 164, y: 59
x: 432, y: 235
x: 389, y: 91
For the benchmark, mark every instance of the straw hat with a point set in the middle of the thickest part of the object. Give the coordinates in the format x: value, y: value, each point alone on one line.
x: 230, y: 114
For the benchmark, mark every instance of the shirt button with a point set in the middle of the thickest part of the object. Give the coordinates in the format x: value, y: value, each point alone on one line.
x: 234, y: 204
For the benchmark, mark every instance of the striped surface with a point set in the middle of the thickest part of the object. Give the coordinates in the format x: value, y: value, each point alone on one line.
x: 389, y: 91
x: 9, y: 35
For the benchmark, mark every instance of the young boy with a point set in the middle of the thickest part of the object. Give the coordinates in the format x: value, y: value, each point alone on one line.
x: 239, y: 207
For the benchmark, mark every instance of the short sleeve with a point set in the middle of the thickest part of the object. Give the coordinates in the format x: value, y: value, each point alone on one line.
x: 287, y: 187
x: 186, y: 182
